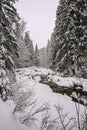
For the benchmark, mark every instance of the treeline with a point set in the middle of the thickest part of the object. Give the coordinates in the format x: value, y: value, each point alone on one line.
x: 46, y: 55
x: 27, y: 55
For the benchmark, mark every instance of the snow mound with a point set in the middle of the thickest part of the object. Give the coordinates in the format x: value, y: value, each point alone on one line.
x: 7, y: 121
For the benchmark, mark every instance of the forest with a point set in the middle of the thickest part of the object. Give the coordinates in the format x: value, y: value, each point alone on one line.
x: 44, y: 88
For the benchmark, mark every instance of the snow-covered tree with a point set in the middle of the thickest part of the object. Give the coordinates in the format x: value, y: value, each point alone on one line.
x: 8, y: 46
x: 20, y: 30
x: 58, y: 39
x: 29, y: 45
x: 36, y: 57
x: 49, y: 54
x: 71, y: 37
x: 77, y: 36
x: 20, y: 61
x: 43, y: 57
x: 53, y: 50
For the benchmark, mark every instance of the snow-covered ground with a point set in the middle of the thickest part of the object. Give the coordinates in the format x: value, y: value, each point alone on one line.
x: 7, y: 121
x: 42, y: 93
x: 28, y: 73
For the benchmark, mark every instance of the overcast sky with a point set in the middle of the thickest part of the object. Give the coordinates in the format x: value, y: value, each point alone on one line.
x: 40, y: 17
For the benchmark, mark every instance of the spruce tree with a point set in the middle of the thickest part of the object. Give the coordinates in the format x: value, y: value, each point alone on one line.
x: 77, y: 36
x: 36, y: 57
x: 71, y: 38
x: 20, y: 61
x: 43, y: 57
x: 8, y: 45
x: 49, y: 54
x: 29, y: 45
x: 58, y: 37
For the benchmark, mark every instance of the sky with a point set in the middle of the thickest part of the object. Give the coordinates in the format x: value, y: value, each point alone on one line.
x: 40, y: 16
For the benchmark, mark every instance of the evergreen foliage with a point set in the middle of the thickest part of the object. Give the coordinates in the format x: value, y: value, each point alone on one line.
x: 49, y: 54
x: 36, y: 57
x: 26, y: 49
x: 43, y: 57
x: 8, y: 45
x: 8, y: 17
x: 23, y: 55
x: 70, y: 34
x: 29, y: 44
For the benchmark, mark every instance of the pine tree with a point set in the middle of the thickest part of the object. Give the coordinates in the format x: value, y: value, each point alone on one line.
x: 20, y: 61
x: 8, y: 46
x: 59, y: 33
x: 77, y: 36
x: 49, y: 54
x: 43, y: 57
x: 20, y: 31
x: 36, y: 58
x: 29, y: 45
x: 53, y: 51
x: 71, y: 37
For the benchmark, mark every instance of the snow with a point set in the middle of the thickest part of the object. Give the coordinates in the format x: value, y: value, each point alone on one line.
x: 7, y: 121
x: 24, y: 78
x: 28, y: 73
x: 42, y: 93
